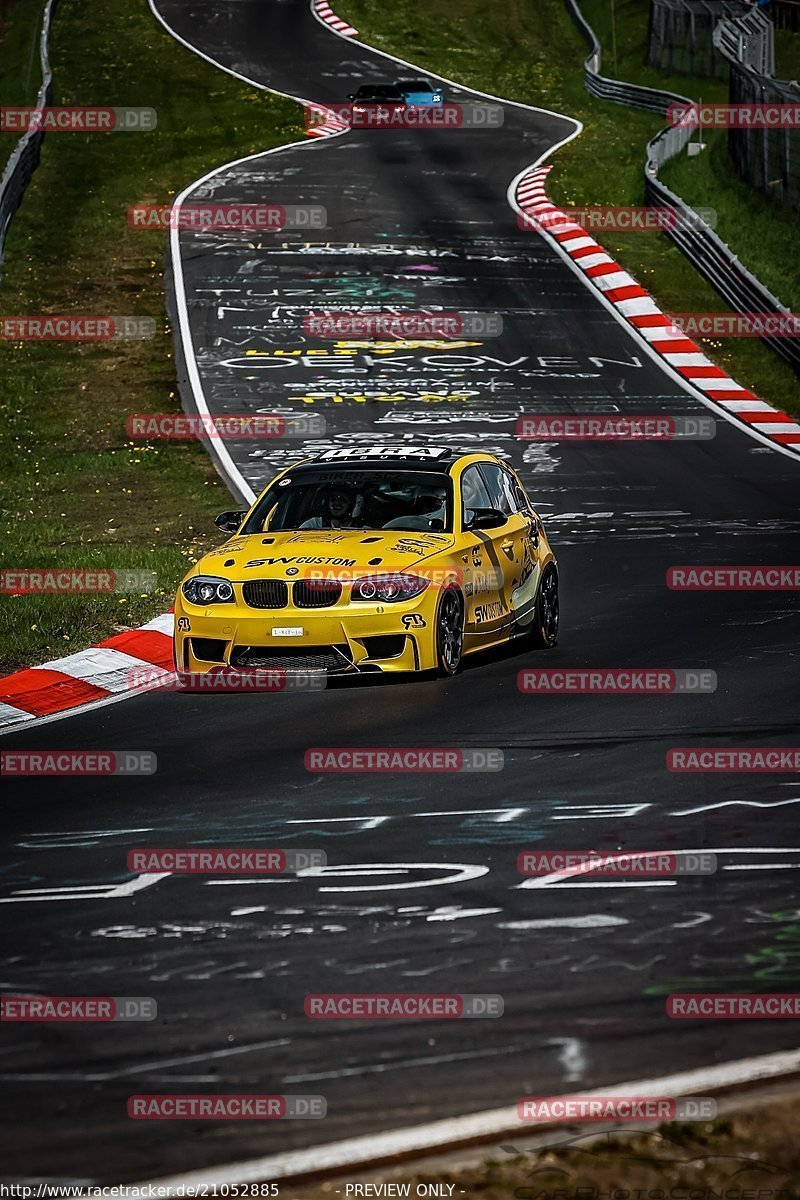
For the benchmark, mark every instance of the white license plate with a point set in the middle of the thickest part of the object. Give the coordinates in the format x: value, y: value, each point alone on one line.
x: 288, y: 631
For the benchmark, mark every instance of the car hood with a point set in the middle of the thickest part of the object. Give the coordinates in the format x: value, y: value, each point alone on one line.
x: 287, y: 555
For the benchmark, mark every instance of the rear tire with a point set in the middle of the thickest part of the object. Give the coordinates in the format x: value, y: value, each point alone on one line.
x: 544, y: 630
x: 449, y: 632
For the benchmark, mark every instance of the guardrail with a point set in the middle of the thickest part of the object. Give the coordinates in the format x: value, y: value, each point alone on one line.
x: 680, y: 35
x: 25, y: 157
x: 747, y: 41
x: 705, y: 250
x: 766, y: 158
x: 631, y: 94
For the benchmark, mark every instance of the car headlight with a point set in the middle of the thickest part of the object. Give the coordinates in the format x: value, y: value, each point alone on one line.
x: 207, y: 589
x: 388, y: 588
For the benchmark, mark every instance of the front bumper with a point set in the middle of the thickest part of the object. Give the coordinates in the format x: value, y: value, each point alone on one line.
x: 337, y: 641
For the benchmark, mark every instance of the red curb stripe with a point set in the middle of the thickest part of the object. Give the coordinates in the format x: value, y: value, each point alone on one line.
x: 610, y: 268
x: 40, y: 691
x: 570, y: 233
x: 650, y: 320
x: 147, y: 644
x: 631, y: 291
x: 775, y: 417
x: 729, y: 394
x: 584, y: 251
x: 711, y: 372
x: 676, y: 346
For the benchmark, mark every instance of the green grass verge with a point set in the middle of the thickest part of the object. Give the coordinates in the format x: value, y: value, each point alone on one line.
x: 787, y: 54
x: 534, y: 53
x: 21, y: 76
x: 78, y: 492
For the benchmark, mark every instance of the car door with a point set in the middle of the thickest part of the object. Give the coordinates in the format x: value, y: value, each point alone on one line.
x: 486, y: 562
x: 518, y: 542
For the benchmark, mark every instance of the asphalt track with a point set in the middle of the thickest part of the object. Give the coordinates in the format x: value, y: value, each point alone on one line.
x: 416, y: 219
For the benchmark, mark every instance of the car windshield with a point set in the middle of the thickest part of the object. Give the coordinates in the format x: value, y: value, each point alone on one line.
x: 360, y: 499
x: 414, y: 85
x: 378, y: 93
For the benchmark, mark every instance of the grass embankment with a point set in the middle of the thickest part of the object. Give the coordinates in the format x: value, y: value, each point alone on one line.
x: 534, y: 53
x: 78, y: 493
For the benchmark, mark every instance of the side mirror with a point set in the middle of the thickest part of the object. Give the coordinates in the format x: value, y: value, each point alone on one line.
x: 486, y: 518
x: 229, y: 522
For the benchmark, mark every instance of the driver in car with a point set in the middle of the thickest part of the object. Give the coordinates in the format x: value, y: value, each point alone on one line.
x: 344, y: 511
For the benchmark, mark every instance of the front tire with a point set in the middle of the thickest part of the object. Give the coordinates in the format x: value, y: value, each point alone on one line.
x: 449, y: 633
x: 544, y: 631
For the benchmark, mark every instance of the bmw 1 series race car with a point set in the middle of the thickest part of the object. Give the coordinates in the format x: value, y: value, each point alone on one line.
x: 390, y: 559
x: 419, y: 92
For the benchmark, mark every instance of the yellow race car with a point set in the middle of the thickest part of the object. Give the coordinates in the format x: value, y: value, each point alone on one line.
x: 392, y: 558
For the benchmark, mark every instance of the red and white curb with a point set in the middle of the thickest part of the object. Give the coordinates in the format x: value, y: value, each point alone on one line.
x: 323, y: 122
x: 642, y: 314
x: 99, y: 673
x: 323, y: 10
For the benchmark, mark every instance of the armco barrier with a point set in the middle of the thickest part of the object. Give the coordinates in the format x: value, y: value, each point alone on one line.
x: 767, y: 159
x: 707, y: 253
x: 25, y: 157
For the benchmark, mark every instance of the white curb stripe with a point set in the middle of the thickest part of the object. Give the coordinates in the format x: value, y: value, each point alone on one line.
x: 103, y: 667
x: 10, y: 715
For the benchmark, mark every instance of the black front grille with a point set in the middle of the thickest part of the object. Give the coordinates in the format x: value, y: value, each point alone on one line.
x: 289, y: 658
x: 316, y: 593
x: 265, y: 593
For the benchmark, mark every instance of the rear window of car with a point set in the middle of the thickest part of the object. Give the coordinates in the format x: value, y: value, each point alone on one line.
x: 375, y: 93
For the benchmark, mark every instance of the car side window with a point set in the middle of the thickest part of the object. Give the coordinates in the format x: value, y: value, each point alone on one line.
x: 474, y: 494
x: 523, y: 500
x: 501, y: 488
